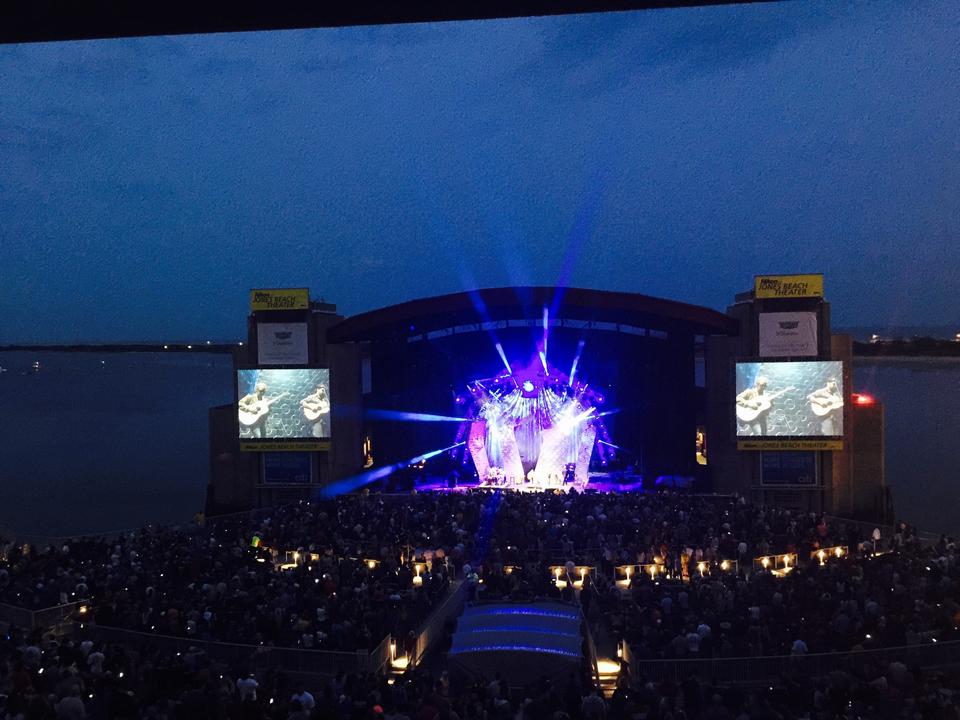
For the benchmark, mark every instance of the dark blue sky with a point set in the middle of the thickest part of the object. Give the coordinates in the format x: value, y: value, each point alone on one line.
x: 146, y: 185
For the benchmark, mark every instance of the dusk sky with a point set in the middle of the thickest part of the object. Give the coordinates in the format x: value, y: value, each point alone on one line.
x: 147, y: 184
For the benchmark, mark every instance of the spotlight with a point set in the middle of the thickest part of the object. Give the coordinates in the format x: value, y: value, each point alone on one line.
x: 528, y: 386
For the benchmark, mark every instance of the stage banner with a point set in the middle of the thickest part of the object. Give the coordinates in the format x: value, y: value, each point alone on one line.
x: 789, y: 444
x: 292, y: 446
x: 788, y: 334
x: 585, y: 451
x: 282, y: 343
x: 477, y: 442
x: 279, y: 299
x: 788, y: 286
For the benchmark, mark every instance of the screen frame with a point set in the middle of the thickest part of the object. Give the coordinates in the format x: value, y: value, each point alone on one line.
x: 845, y: 391
x: 308, y: 444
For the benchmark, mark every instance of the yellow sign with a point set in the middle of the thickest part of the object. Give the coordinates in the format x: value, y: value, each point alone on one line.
x: 282, y: 299
x: 788, y: 286
x: 789, y: 444
x: 292, y: 446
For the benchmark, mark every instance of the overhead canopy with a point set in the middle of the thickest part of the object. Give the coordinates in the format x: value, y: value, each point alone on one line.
x: 495, y: 304
x: 40, y: 20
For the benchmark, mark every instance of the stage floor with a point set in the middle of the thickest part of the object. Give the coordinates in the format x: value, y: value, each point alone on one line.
x: 595, y: 484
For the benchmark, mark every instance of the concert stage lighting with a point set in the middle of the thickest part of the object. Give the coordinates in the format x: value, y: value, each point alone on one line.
x: 411, y: 416
x: 530, y: 424
x: 356, y: 482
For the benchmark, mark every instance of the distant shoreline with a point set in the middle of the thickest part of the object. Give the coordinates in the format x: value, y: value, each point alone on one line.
x: 906, y: 359
x: 127, y: 348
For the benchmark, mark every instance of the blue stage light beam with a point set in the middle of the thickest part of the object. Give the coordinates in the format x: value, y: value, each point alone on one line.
x: 410, y: 416
x: 342, y: 487
x: 356, y: 482
x: 434, y: 453
x: 608, y: 412
x: 610, y: 444
x: 576, y: 360
x: 503, y: 356
x: 546, y: 334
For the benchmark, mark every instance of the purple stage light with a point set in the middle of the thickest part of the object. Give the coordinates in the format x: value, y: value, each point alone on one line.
x: 534, y: 421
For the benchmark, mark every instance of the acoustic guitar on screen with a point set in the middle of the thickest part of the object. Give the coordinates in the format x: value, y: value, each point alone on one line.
x: 822, y: 404
x: 315, y: 405
x: 751, y: 410
x: 251, y: 414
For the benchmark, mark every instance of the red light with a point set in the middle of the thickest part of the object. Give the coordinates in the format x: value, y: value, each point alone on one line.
x: 863, y: 399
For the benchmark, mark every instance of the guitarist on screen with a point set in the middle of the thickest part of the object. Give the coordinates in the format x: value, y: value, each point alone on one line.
x: 254, y: 408
x: 827, y: 404
x: 754, y: 403
x: 316, y: 410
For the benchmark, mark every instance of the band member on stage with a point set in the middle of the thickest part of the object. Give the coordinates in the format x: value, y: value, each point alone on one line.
x: 752, y: 399
x: 829, y: 400
x: 253, y: 404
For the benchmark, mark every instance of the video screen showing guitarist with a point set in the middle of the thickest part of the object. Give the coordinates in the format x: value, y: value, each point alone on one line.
x: 827, y: 404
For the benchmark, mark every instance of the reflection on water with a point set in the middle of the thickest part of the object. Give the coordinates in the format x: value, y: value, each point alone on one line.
x: 95, y: 442
x: 107, y: 442
x: 921, y: 400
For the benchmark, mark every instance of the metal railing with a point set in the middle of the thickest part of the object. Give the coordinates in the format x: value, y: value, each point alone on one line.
x: 40, y: 619
x: 320, y: 662
x: 433, y: 627
x: 592, y: 650
x: 380, y: 657
x: 760, y: 670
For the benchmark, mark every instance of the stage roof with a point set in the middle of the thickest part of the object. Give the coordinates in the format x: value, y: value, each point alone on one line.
x: 508, y: 303
x: 45, y: 20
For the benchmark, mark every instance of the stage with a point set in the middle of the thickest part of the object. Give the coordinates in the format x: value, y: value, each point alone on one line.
x: 597, y: 482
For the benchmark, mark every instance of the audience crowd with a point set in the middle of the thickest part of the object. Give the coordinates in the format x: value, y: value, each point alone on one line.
x: 346, y: 573
x: 42, y: 678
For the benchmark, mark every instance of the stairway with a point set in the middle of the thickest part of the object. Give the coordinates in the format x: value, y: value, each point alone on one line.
x: 608, y: 671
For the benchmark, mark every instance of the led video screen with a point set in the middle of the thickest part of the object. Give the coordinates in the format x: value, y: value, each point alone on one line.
x: 789, y: 399
x: 283, y: 404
